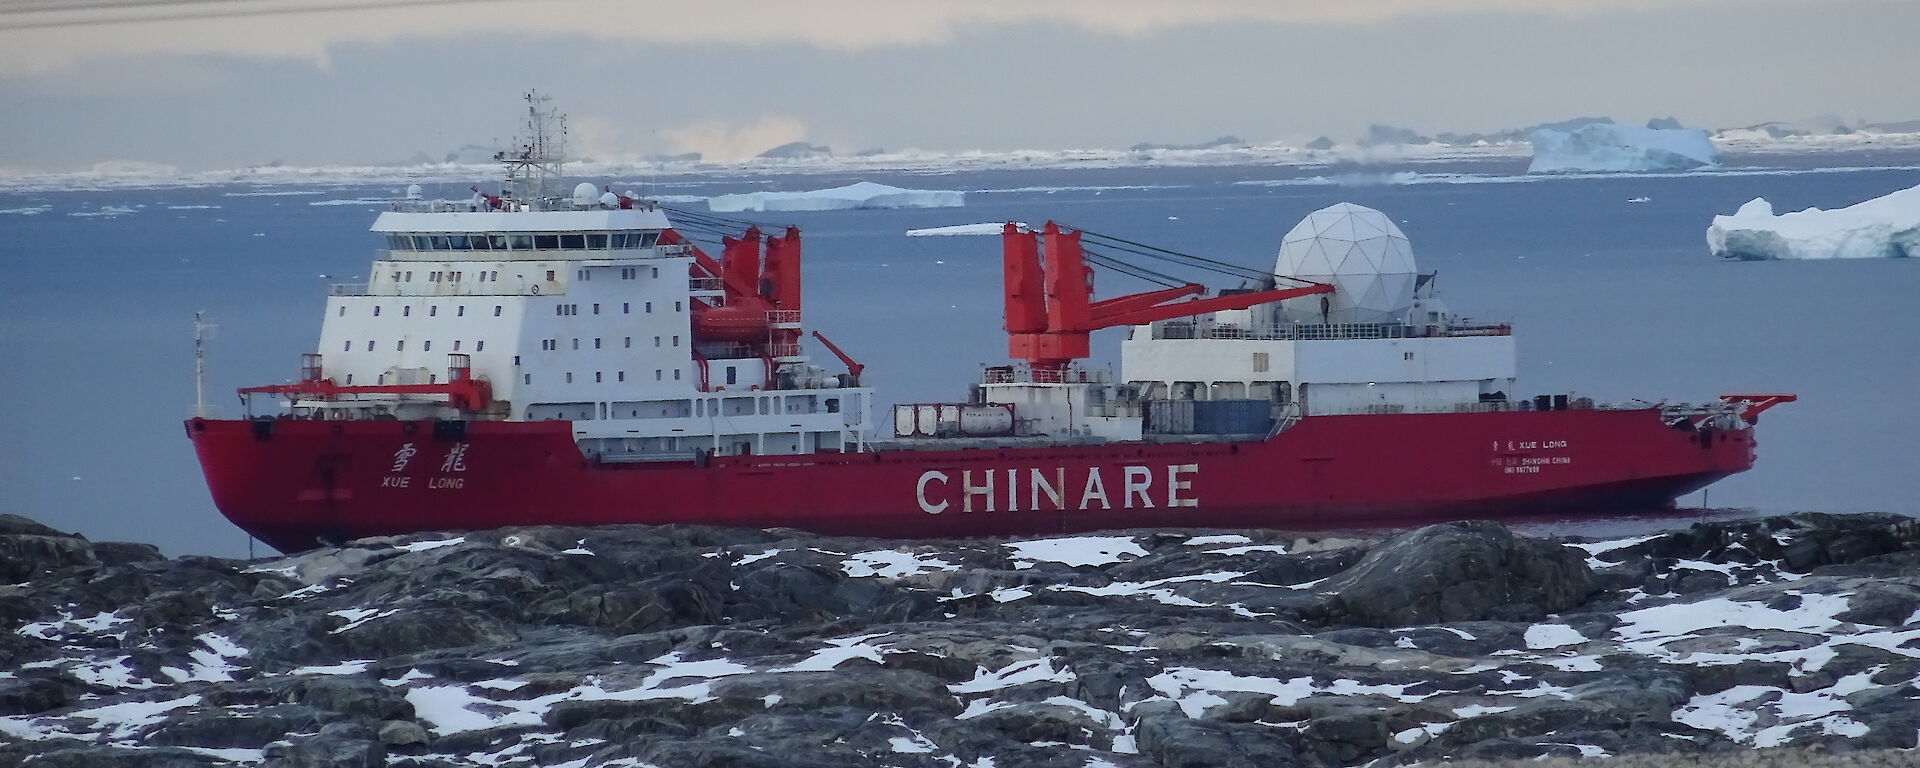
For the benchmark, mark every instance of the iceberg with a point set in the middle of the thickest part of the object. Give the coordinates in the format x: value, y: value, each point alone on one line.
x: 1884, y: 227
x: 1612, y: 147
x: 865, y: 194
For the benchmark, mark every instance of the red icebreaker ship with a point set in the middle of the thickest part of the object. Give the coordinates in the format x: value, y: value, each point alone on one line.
x: 527, y: 359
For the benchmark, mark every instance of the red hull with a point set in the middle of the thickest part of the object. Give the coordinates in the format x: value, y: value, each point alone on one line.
x: 294, y: 483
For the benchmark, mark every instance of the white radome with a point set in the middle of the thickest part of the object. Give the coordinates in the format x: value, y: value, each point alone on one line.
x: 1359, y: 251
x: 585, y: 194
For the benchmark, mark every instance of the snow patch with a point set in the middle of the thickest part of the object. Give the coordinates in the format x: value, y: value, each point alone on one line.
x: 892, y: 564
x: 1540, y: 636
x: 1038, y: 670
x: 1075, y: 551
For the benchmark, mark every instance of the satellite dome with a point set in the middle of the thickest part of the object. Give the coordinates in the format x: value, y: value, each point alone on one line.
x: 585, y: 194
x: 609, y: 199
x: 413, y: 191
x: 1361, y: 253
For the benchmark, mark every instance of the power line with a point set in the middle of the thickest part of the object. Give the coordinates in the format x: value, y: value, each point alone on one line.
x: 208, y: 9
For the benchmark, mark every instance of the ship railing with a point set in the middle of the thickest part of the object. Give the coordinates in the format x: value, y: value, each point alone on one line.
x: 1328, y: 331
x: 706, y: 284
x: 783, y: 317
x: 783, y: 350
x: 1006, y: 374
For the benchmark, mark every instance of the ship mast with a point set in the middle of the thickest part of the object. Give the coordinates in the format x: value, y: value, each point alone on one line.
x: 202, y: 330
x: 538, y: 152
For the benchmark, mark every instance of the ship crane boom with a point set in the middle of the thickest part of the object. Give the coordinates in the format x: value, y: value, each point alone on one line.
x: 1050, y: 311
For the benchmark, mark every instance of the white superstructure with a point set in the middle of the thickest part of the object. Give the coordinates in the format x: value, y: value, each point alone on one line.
x: 576, y: 308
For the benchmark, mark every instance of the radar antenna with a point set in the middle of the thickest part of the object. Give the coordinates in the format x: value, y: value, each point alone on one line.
x: 537, y: 154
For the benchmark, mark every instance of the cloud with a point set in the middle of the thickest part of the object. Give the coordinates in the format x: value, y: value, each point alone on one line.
x: 293, y: 29
x: 720, y: 140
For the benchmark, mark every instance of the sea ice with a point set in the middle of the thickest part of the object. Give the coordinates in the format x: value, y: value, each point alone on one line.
x: 1610, y: 147
x: 865, y: 194
x: 1885, y: 226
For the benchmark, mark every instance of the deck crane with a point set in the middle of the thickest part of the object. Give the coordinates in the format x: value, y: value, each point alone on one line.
x: 1050, y: 311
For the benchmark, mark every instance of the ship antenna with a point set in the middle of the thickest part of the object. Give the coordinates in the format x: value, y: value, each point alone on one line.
x: 538, y: 153
x: 202, y: 331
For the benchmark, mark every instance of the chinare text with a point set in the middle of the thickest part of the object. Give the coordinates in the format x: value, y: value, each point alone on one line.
x: 1034, y: 489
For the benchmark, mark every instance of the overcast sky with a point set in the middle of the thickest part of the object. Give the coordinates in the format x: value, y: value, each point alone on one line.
x: 730, y: 79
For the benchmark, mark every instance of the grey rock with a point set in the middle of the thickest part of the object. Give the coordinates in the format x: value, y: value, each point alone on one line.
x: 403, y: 733
x: 1460, y: 572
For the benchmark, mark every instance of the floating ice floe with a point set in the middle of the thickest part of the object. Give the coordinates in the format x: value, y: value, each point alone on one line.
x: 1611, y: 147
x: 1885, y: 226
x: 31, y: 210
x: 986, y: 228
x: 865, y: 194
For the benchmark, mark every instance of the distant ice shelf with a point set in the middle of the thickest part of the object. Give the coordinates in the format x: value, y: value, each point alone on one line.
x: 865, y: 194
x: 1883, y: 227
x: 1611, y: 147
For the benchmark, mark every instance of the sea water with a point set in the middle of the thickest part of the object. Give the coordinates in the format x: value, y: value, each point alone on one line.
x: 1611, y: 299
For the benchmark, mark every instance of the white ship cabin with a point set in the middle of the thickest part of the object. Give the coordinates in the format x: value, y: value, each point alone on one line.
x: 1382, y: 342
x: 573, y: 309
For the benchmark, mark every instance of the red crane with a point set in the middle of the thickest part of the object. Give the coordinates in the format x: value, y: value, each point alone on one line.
x: 1050, y: 306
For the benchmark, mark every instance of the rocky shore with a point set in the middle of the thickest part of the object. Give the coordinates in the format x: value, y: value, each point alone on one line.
x: 1780, y: 641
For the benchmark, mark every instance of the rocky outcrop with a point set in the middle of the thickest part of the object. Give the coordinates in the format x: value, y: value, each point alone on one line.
x: 683, y: 646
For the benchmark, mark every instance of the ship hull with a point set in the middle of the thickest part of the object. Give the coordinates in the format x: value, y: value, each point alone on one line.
x: 297, y: 483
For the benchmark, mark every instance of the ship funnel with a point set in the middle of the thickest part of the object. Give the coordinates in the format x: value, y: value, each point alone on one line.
x: 1362, y: 254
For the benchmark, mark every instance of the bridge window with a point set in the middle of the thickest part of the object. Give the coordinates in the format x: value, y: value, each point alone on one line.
x: 647, y: 240
x: 458, y: 243
x: 439, y: 242
x: 421, y: 243
x: 545, y: 242
x: 521, y: 241
x: 481, y: 242
x: 499, y: 242
x: 597, y: 241
x: 573, y: 241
